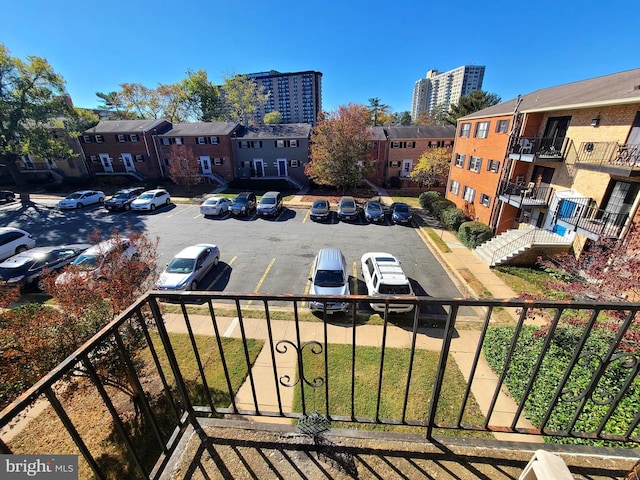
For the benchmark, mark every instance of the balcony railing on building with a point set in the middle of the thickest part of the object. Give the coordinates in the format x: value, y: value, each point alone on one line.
x: 169, y: 403
x: 530, y: 149
x: 589, y: 220
x: 527, y: 195
x: 610, y: 156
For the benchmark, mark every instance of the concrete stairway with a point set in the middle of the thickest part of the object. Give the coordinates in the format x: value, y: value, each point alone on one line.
x: 512, y: 243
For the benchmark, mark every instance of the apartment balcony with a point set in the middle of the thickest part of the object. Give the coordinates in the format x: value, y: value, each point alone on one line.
x: 531, y: 149
x: 525, y: 196
x: 251, y: 387
x: 581, y: 215
x: 610, y: 157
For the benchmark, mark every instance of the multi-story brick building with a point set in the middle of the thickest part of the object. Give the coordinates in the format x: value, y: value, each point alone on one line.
x: 124, y: 147
x: 564, y: 159
x: 210, y: 143
x: 396, y: 150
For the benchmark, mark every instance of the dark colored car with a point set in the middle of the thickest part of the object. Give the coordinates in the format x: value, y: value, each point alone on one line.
x: 121, y: 200
x: 348, y: 209
x: 401, y: 213
x: 243, y: 204
x: 373, y: 212
x: 25, y: 269
x: 320, y: 210
x: 7, y: 196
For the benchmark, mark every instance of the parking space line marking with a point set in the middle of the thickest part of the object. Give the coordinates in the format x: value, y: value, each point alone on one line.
x: 180, y: 211
x: 262, y: 279
x: 306, y: 216
x: 232, y: 326
x: 219, y: 276
x: 355, y: 277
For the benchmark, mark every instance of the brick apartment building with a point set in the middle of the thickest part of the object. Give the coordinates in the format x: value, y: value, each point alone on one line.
x: 564, y: 160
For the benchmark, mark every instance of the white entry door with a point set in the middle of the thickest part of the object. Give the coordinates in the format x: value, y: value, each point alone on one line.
x: 106, y: 162
x: 258, y: 167
x: 407, y: 166
x: 205, y: 164
x: 127, y: 159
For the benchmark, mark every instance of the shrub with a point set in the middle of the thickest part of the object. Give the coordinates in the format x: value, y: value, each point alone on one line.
x: 473, y: 234
x: 452, y: 218
x: 440, y: 206
x: 427, y: 198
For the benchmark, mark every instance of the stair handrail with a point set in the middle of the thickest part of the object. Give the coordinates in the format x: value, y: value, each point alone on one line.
x: 530, y: 237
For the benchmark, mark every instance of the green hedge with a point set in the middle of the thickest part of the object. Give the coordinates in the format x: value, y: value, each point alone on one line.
x: 427, y: 198
x: 563, y: 344
x: 440, y: 206
x: 452, y: 218
x: 473, y: 234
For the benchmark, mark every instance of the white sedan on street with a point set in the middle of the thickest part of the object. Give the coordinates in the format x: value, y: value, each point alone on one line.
x: 215, y: 206
x: 81, y: 199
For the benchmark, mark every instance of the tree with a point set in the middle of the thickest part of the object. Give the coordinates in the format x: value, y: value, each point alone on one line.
x: 468, y: 104
x: 424, y: 119
x: 432, y: 166
x: 32, y: 97
x: 184, y: 168
x: 405, y: 118
x: 35, y: 338
x: 112, y: 103
x: 339, y: 147
x: 376, y: 108
x: 201, y: 97
x: 241, y: 98
x: 273, y: 118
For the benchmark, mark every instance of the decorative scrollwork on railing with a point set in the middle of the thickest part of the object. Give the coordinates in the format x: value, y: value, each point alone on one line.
x: 315, y: 348
x: 601, y: 393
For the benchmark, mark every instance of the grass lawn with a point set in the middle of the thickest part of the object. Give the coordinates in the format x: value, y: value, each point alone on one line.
x: 45, y: 434
x: 529, y: 280
x: 394, y: 378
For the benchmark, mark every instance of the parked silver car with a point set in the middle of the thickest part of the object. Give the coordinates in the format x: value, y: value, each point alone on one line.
x: 189, y: 267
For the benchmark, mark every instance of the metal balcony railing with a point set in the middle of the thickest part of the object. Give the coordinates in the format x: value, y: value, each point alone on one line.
x: 171, y: 399
x: 544, y: 148
x: 581, y: 214
x: 609, y: 154
x: 524, y: 195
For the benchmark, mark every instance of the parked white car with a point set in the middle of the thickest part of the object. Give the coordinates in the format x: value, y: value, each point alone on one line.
x: 384, y: 277
x: 81, y: 198
x: 151, y: 199
x: 98, y: 259
x: 189, y: 267
x: 215, y: 206
x: 13, y: 241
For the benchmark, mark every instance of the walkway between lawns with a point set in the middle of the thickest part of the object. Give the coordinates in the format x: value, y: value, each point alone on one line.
x: 463, y: 348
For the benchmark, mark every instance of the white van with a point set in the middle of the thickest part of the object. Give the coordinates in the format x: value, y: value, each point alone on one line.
x: 329, y: 277
x: 384, y: 277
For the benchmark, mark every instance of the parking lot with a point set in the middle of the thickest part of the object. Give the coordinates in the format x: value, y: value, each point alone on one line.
x: 268, y: 256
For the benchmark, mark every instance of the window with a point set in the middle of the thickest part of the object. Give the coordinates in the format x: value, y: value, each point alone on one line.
x: 502, y: 126
x: 482, y: 130
x: 493, y: 166
x: 394, y: 164
x: 214, y: 140
x: 121, y: 138
x: 99, y: 139
x: 459, y: 161
x: 178, y: 140
x: 295, y: 163
x: 93, y: 158
x: 469, y: 194
x: 133, y: 138
x: 256, y: 144
x: 166, y: 141
x: 475, y: 163
x: 139, y: 158
x: 396, y: 144
x: 410, y: 144
x: 279, y: 143
x: 217, y: 161
x: 201, y: 141
x: 86, y: 138
x: 465, y: 130
x: 243, y: 144
x: 454, y: 187
x: 485, y: 200
x: 293, y: 143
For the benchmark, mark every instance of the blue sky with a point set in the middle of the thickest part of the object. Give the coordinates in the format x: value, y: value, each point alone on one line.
x: 364, y: 49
